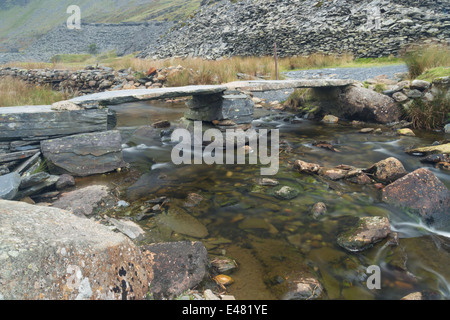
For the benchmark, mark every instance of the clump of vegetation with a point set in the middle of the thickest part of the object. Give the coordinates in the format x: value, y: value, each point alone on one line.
x: 421, y: 59
x: 429, y: 115
x: 434, y: 73
x: 14, y: 92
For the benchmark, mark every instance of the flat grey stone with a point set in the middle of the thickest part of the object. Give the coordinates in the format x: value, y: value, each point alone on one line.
x: 9, y: 185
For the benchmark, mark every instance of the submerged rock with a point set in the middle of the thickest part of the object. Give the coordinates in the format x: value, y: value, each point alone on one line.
x: 367, y: 232
x: 318, y: 210
x: 303, y: 166
x: 422, y: 192
x: 303, y: 288
x: 178, y: 220
x: 285, y: 192
x: 224, y: 264
x: 333, y: 173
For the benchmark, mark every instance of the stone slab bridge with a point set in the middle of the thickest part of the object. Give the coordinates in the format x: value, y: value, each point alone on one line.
x: 211, y: 102
x: 230, y: 101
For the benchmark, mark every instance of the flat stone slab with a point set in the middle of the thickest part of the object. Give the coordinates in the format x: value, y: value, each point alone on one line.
x: 270, y: 85
x: 84, y: 154
x: 125, y: 96
x: 42, y: 121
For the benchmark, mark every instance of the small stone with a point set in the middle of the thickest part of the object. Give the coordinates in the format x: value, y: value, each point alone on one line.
x: 366, y: 130
x: 267, y: 182
x: 330, y: 119
x: 122, y: 204
x: 387, y: 170
x: 414, y: 94
x: 209, y: 295
x: 223, y: 264
x: 333, y: 174
x: 413, y: 296
x: 406, y: 132
x: 318, y: 210
x: 286, y: 193
x: 399, y: 97
x: 420, y: 85
x: 33, y: 180
x: 303, y: 166
x: 223, y: 280
x: 447, y: 128
x: 65, y: 181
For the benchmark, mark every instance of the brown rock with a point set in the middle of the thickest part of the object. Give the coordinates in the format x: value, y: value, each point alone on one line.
x: 161, y: 124
x: 423, y: 192
x: 303, y: 166
x: 367, y: 105
x: 177, y: 267
x: 333, y: 174
x: 387, y: 170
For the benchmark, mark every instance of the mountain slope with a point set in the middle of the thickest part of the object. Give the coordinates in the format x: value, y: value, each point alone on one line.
x: 23, y: 20
x: 251, y: 27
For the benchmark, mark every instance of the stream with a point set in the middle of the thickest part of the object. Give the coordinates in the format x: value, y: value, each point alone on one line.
x: 269, y: 238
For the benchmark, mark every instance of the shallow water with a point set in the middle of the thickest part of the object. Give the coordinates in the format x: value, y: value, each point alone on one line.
x: 271, y: 238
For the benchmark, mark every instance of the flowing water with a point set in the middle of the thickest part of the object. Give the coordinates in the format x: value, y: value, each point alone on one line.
x: 271, y: 239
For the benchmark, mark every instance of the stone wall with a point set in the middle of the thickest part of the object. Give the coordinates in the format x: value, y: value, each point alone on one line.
x: 249, y: 27
x: 91, y: 79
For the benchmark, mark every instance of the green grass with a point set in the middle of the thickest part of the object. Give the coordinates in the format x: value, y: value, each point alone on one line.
x: 429, y: 115
x: 420, y: 60
x: 434, y: 73
x: 14, y: 92
x: 319, y: 61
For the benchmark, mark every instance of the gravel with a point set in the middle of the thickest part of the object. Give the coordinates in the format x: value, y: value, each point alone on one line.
x: 360, y: 74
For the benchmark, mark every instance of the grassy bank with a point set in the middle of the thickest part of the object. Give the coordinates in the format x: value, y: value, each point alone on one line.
x: 15, y: 92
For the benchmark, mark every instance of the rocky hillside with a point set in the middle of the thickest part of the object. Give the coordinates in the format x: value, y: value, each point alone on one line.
x: 124, y: 38
x: 22, y: 21
x: 251, y: 27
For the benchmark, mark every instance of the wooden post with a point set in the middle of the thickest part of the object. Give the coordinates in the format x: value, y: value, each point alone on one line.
x: 276, y: 61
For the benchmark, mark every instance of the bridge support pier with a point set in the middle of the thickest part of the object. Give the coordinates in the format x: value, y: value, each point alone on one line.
x: 229, y: 105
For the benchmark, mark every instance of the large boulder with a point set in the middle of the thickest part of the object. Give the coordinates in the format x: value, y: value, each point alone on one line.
x: 421, y: 191
x: 85, y: 154
x: 357, y: 103
x: 49, y: 253
x: 177, y: 267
